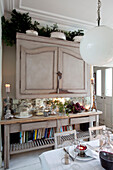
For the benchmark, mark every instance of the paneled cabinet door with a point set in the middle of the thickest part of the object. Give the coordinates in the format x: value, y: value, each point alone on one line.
x: 74, y: 72
x: 38, y: 70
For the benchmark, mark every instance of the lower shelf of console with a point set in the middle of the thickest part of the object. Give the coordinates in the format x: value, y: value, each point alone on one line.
x: 31, y: 145
x: 41, y: 143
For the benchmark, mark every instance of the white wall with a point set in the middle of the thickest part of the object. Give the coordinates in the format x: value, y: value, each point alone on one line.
x: 1, y: 13
x: 0, y: 90
x: 9, y: 69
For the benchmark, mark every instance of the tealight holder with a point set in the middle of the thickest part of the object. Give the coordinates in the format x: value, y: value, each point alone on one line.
x: 81, y: 149
x: 87, y: 107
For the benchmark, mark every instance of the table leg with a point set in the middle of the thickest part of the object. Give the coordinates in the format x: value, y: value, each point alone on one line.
x: 6, y: 146
x: 97, y: 120
x: 58, y: 125
x: 97, y: 123
x: 91, y: 121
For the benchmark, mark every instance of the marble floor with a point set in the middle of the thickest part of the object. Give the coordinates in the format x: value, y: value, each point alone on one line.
x: 26, y: 161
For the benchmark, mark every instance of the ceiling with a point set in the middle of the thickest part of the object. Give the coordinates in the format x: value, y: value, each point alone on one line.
x: 69, y: 14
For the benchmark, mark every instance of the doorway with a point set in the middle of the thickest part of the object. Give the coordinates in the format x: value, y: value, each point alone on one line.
x: 104, y: 83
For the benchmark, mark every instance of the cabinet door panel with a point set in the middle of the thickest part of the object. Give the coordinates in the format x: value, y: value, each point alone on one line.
x: 38, y: 70
x: 74, y: 72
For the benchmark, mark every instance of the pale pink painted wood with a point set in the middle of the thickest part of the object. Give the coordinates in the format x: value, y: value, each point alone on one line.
x: 74, y: 72
x: 39, y: 59
x: 96, y: 128
x: 38, y: 70
x: 58, y: 138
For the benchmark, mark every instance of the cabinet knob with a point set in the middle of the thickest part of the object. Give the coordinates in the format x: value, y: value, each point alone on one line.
x: 103, y: 97
x: 59, y: 74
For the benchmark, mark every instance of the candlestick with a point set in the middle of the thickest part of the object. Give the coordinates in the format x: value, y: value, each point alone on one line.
x: 8, y: 114
x: 7, y: 86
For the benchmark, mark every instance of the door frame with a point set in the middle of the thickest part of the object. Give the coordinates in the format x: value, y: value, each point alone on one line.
x: 103, y: 90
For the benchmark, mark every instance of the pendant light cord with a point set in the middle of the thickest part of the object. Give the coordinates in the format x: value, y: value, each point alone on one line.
x: 98, y: 12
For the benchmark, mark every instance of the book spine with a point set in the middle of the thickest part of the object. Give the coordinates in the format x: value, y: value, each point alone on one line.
x: 39, y: 134
x: 48, y: 132
x: 30, y: 135
x: 26, y: 137
x: 51, y: 133
x: 61, y: 130
x: 21, y: 137
x: 67, y: 128
x: 43, y: 133
x: 35, y: 134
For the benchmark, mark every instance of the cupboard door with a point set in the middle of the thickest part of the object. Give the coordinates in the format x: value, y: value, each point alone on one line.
x: 38, y: 70
x: 74, y: 72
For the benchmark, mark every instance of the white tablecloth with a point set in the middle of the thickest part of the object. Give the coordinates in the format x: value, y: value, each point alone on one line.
x: 51, y: 160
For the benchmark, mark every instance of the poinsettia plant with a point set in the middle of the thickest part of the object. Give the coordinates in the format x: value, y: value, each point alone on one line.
x: 77, y: 108
x: 74, y: 108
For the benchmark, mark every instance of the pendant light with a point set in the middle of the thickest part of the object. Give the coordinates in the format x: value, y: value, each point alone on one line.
x: 96, y: 47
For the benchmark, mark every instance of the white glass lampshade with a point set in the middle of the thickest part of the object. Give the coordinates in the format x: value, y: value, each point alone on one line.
x: 96, y: 47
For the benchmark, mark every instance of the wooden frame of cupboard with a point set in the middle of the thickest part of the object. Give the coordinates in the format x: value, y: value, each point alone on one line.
x: 18, y: 125
x: 58, y: 51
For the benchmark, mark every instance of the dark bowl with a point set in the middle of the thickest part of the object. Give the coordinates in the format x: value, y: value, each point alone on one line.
x: 106, y: 159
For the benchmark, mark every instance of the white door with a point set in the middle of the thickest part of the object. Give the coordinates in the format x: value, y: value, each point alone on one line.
x: 104, y: 94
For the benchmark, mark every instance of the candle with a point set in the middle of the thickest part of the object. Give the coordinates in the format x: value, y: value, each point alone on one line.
x: 7, y: 86
x: 82, y: 147
x: 92, y: 80
x: 62, y: 100
x: 87, y: 107
x: 80, y: 104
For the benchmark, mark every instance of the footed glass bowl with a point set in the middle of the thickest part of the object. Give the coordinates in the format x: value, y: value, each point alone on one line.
x: 81, y: 149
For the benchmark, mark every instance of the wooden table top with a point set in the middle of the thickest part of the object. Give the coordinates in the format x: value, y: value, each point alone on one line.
x: 42, y: 118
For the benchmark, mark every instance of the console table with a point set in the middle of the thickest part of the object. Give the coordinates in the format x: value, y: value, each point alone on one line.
x: 36, y: 122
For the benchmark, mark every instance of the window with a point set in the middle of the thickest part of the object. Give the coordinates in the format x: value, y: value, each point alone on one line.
x: 98, y: 84
x: 108, y: 82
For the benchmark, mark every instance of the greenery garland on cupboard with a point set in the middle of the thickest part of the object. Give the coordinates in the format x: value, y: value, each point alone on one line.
x: 20, y: 22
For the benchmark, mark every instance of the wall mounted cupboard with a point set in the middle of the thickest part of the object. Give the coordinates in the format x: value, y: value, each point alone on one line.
x: 47, y: 67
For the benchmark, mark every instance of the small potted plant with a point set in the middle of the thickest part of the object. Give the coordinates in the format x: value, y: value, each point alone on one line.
x: 61, y: 108
x: 56, y: 33
x: 78, y: 36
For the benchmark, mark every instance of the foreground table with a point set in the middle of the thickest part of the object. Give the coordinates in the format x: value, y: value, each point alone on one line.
x: 51, y: 160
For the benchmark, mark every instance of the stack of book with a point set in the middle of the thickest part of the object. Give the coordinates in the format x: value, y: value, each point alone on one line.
x: 43, y: 133
x: 37, y: 134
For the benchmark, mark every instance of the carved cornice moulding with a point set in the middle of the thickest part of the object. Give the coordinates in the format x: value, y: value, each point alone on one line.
x: 9, y: 5
x: 1, y: 7
x: 49, y: 18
